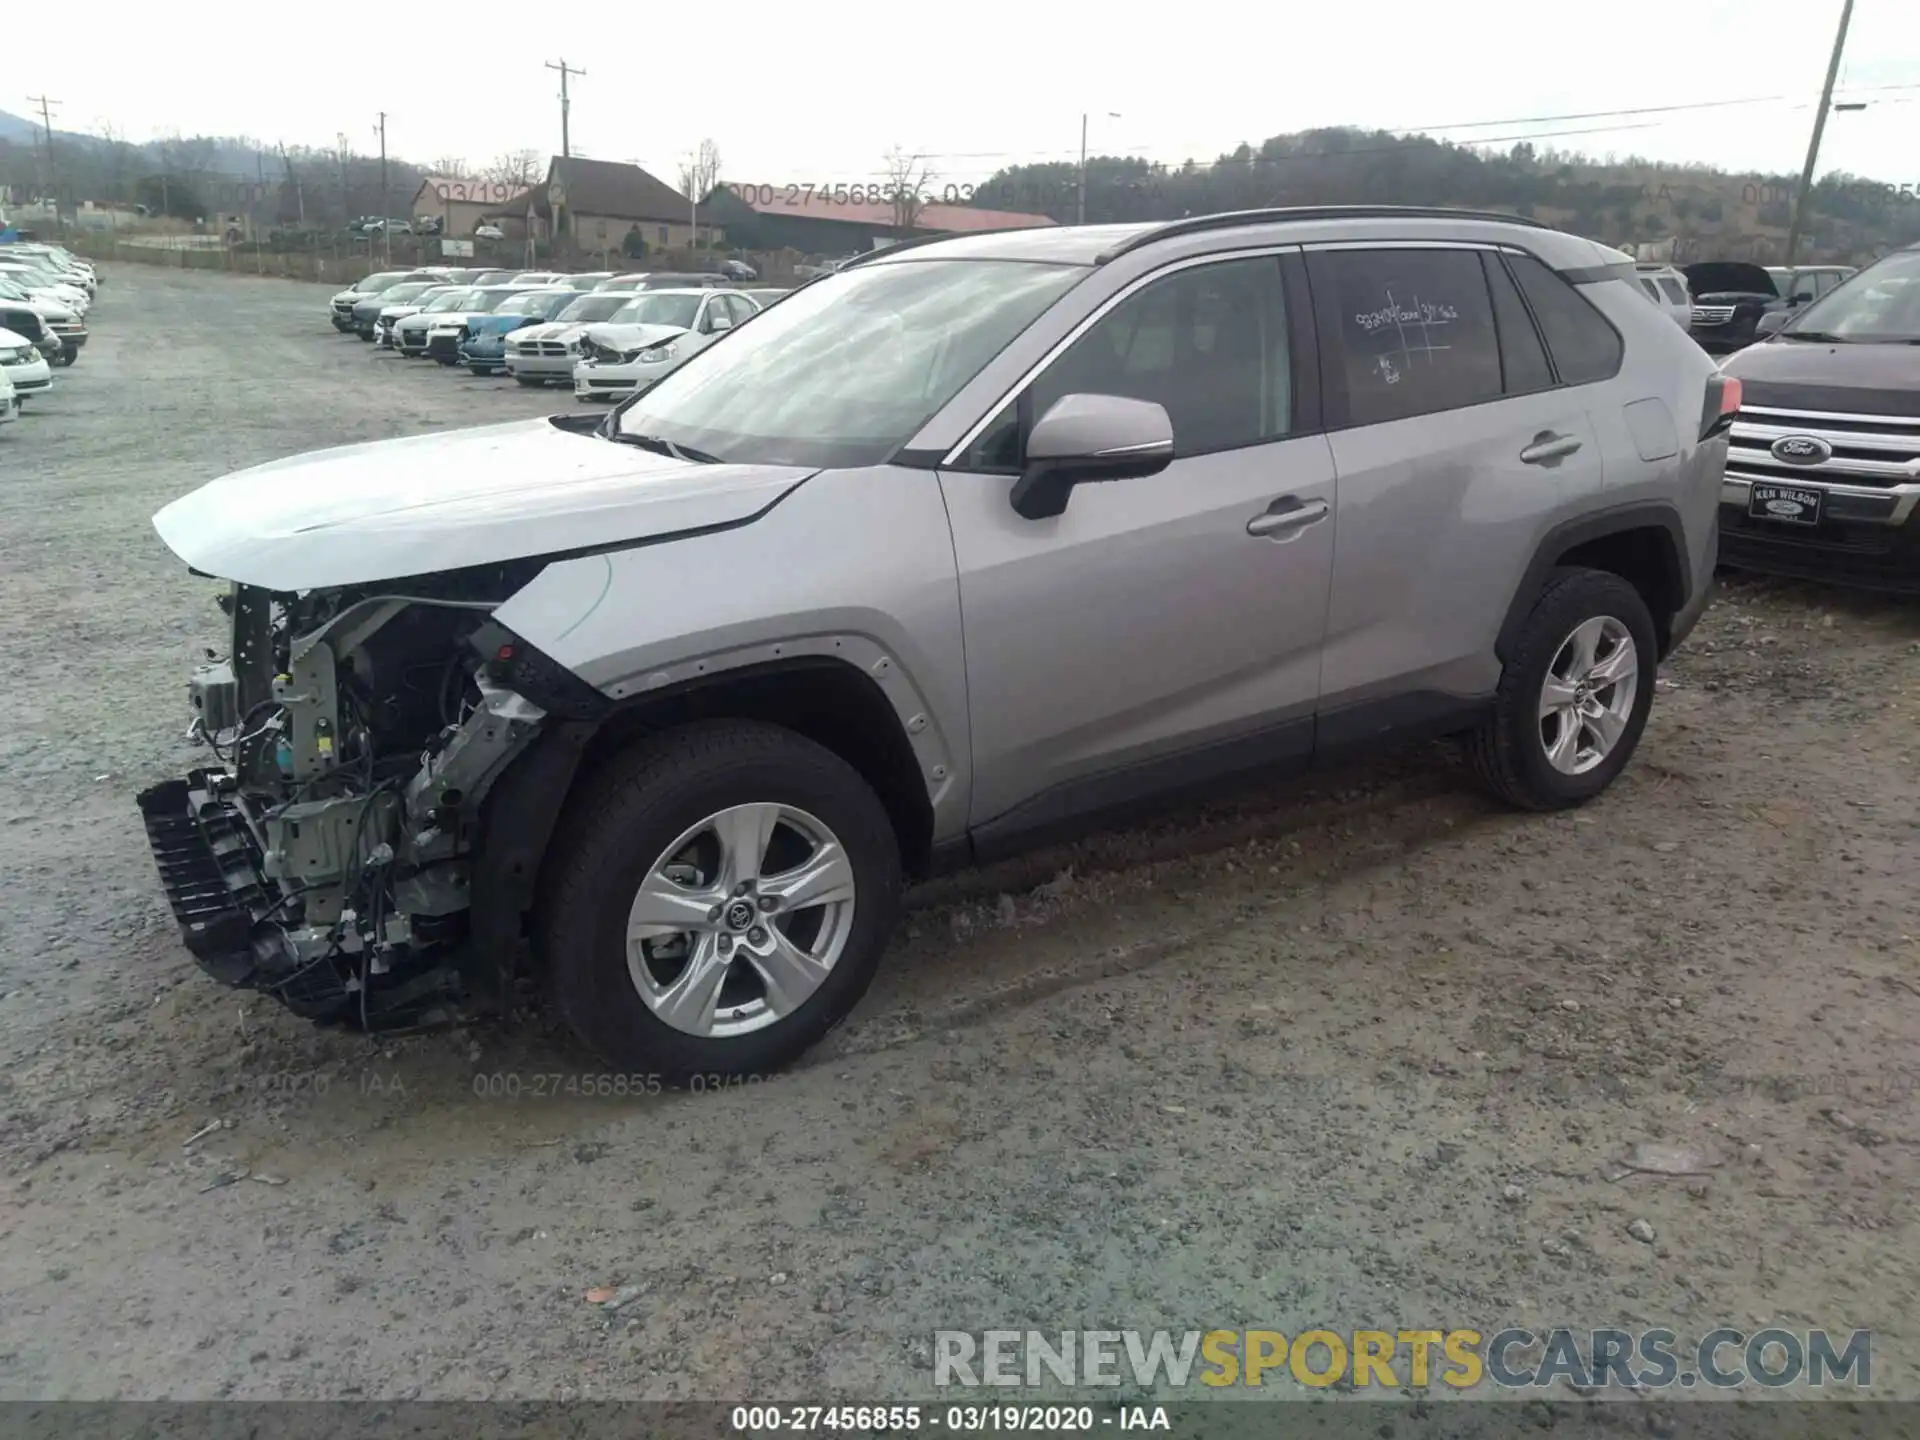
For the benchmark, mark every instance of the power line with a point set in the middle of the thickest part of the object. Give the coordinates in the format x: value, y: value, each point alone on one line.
x: 1794, y: 101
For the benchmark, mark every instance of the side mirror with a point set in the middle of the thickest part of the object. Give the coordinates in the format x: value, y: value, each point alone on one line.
x: 1771, y: 324
x: 716, y: 323
x: 1085, y: 438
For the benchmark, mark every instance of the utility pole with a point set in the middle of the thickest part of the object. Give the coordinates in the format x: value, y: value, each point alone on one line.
x: 566, y: 105
x: 1082, y: 206
x: 1819, y: 129
x: 53, y: 171
x: 386, y: 210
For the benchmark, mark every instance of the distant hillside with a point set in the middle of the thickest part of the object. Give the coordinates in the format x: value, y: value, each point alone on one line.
x: 1705, y: 212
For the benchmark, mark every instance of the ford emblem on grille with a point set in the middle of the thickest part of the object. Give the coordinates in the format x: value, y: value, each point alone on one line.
x: 1802, y: 450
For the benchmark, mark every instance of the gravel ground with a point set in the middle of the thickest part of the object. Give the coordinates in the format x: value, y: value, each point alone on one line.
x: 1358, y: 1053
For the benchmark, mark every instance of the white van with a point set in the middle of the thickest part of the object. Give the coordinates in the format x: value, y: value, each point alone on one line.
x: 1666, y: 287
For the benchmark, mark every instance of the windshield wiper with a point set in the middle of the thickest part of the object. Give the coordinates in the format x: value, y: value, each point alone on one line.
x: 662, y: 446
x: 1818, y: 337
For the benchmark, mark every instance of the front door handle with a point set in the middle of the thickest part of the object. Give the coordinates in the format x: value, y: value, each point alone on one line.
x: 1286, y: 514
x: 1548, y: 447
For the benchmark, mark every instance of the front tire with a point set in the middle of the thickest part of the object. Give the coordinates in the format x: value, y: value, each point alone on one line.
x: 1574, y: 699
x: 721, y: 902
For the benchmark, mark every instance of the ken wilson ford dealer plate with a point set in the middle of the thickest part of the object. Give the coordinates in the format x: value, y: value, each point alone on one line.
x: 1790, y: 504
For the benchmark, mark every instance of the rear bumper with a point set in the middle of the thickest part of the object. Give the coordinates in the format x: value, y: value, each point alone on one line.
x: 1690, y: 614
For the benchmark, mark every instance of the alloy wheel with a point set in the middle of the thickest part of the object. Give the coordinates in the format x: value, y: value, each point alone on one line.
x: 740, y: 920
x: 1586, y: 700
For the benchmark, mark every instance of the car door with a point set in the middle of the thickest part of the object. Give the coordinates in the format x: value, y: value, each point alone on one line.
x: 1455, y: 448
x: 1165, y: 630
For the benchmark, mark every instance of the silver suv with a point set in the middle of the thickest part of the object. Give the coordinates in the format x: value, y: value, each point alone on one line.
x: 969, y: 544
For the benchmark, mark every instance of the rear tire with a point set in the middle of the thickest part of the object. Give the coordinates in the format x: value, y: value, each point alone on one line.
x: 1574, y: 699
x: 632, y: 828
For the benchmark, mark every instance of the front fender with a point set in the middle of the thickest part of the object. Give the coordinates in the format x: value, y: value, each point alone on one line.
x: 852, y: 565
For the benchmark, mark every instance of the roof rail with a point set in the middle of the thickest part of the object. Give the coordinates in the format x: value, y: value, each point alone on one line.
x: 899, y: 245
x: 1198, y: 224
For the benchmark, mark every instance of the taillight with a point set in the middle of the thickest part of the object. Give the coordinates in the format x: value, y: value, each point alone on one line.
x: 1723, y: 403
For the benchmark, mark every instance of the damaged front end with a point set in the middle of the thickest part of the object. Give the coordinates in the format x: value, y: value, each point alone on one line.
x: 325, y: 855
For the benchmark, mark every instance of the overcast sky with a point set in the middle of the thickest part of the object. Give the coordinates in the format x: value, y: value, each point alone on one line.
x: 812, y: 93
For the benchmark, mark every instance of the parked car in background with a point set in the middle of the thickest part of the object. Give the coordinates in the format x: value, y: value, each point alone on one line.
x: 410, y: 330
x: 484, y: 350
x: 538, y: 278
x: 1823, y: 473
x: 60, y: 263
x: 24, y: 319
x: 491, y: 277
x: 340, y: 307
x: 626, y: 282
x: 366, y: 311
x: 586, y: 279
x: 26, y: 367
x: 57, y: 320
x: 763, y: 297
x: 540, y: 354
x: 1666, y: 287
x: 488, y: 232
x: 658, y: 331
x: 43, y: 284
x: 400, y: 306
x: 447, y: 330
x: 737, y: 270
x: 1730, y: 297
x: 695, y: 279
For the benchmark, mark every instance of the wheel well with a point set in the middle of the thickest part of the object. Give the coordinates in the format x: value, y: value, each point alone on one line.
x: 828, y: 701
x: 1643, y: 557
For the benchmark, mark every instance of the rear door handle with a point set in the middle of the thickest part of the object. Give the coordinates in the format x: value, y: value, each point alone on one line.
x: 1287, y: 514
x: 1548, y: 447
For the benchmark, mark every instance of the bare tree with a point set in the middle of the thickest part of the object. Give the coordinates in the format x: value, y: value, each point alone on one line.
x: 700, y: 172
x: 908, y: 180
x: 518, y: 168
x: 454, y: 167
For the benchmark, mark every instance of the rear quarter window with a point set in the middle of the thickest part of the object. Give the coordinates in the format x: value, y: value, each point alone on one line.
x: 1583, y: 343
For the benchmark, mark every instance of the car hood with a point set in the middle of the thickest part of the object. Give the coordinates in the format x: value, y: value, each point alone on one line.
x: 1850, y: 379
x: 634, y: 337
x: 500, y: 324
x: 389, y: 509
x: 552, y: 331
x: 453, y: 319
x: 1712, y: 278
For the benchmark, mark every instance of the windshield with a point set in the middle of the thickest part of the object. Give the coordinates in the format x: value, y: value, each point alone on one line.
x: 525, y: 303
x: 589, y: 308
x: 659, y: 310
x: 1880, y: 304
x: 485, y: 302
x: 452, y: 300
x: 844, y: 371
x: 402, y: 293
x: 492, y: 277
x: 373, y: 284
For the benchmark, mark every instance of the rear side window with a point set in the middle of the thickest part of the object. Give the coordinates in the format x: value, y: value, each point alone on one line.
x: 1653, y: 291
x: 1523, y: 359
x: 1674, y: 291
x: 1410, y: 332
x: 1584, y: 347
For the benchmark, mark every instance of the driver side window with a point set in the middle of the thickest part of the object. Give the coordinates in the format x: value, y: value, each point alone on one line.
x: 1209, y: 343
